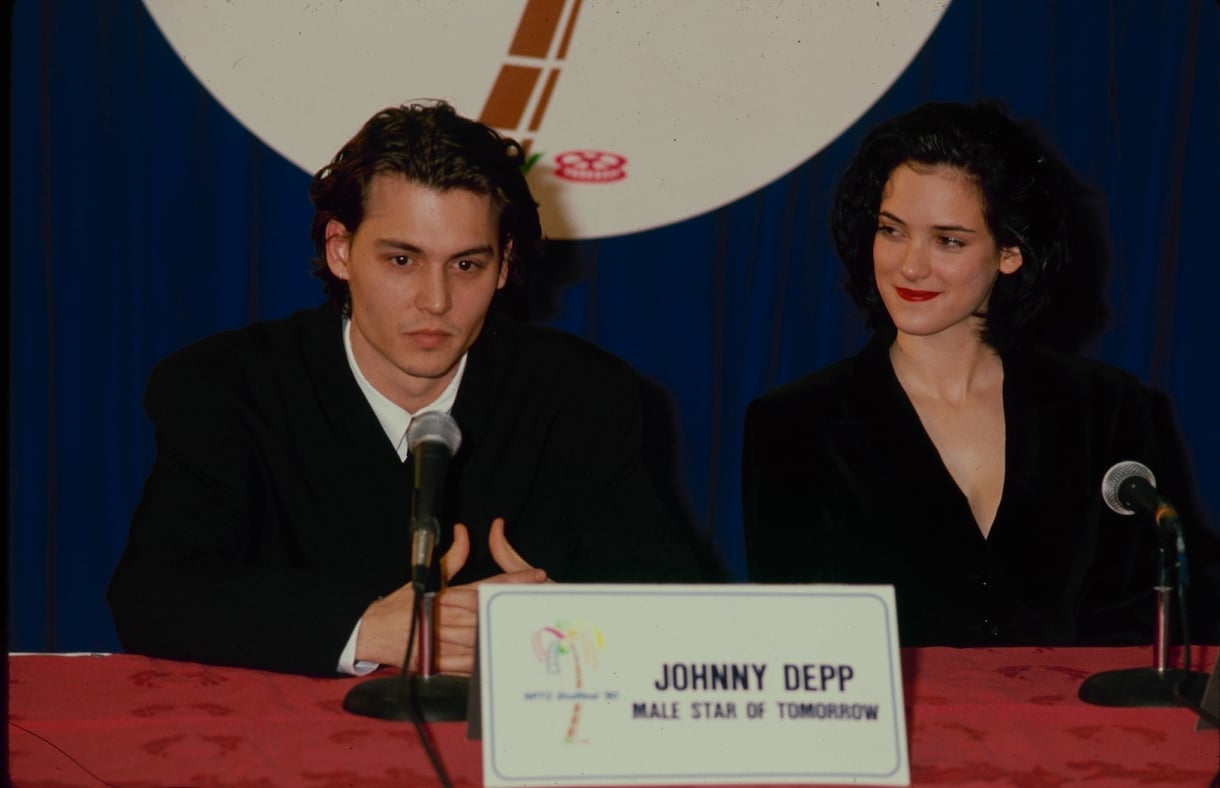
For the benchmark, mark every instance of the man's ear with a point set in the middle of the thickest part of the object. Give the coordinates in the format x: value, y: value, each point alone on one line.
x: 505, y: 258
x: 1010, y: 259
x: 338, y: 248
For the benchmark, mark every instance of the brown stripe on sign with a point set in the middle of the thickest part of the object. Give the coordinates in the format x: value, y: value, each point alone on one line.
x: 544, y: 99
x: 567, y: 32
x: 537, y: 28
x: 509, y: 96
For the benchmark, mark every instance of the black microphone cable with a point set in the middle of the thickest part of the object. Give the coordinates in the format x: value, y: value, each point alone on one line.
x: 417, y: 718
x: 437, y: 435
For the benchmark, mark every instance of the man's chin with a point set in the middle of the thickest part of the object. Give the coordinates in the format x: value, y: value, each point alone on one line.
x: 430, y: 369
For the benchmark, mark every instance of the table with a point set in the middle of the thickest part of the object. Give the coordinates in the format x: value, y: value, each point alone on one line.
x: 974, y: 716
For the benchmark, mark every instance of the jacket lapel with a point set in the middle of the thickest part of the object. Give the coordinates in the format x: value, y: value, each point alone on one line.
x: 351, y: 418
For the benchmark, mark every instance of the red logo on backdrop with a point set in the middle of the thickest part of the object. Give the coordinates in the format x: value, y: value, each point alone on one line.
x: 590, y: 166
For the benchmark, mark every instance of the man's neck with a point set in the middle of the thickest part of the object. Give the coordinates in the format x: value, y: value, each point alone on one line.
x: 390, y: 413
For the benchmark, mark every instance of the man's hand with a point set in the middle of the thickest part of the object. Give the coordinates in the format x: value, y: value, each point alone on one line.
x: 384, y: 626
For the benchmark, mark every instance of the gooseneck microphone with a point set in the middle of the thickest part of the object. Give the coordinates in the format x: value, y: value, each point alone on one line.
x: 1129, y: 487
x: 433, y: 438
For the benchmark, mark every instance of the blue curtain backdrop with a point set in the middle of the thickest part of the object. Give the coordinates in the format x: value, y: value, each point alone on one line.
x: 144, y: 217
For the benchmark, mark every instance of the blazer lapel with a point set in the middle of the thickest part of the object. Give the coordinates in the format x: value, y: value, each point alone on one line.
x: 475, y: 407
x: 1044, y: 413
x: 349, y: 413
x: 889, y: 431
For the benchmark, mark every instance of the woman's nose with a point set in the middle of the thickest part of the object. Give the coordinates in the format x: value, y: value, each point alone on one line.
x: 915, y: 263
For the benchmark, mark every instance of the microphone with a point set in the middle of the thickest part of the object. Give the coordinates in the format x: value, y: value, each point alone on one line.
x: 1130, y: 486
x: 433, y: 438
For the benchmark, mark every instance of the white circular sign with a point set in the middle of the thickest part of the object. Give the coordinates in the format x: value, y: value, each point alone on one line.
x: 635, y: 114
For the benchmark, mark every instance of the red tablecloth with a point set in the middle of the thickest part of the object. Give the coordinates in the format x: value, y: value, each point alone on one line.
x: 974, y: 716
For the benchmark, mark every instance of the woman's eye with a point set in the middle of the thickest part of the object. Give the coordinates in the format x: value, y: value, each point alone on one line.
x: 949, y: 241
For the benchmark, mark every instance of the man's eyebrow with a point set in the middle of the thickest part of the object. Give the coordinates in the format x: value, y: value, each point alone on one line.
x: 474, y: 251
x: 407, y: 246
x: 390, y: 243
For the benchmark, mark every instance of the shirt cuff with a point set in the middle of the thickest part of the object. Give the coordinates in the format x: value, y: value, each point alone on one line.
x: 347, y: 659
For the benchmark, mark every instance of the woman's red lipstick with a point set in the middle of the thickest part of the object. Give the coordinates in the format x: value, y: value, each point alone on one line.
x: 916, y: 295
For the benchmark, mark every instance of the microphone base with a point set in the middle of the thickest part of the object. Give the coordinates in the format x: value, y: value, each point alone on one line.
x: 438, y: 698
x: 1143, y: 687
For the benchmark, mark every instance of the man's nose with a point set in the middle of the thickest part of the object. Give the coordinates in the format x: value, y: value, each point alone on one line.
x: 433, y: 295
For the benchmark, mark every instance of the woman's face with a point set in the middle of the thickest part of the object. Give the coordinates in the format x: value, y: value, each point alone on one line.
x: 934, y: 258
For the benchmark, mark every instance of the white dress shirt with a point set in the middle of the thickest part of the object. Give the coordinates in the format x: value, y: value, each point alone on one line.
x: 395, y: 421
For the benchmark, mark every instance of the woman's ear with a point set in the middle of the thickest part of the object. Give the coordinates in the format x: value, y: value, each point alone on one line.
x: 1010, y: 259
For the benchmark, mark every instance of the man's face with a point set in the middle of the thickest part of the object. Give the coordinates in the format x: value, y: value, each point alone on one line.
x: 422, y: 268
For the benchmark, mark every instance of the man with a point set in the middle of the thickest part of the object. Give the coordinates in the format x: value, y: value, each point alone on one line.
x: 273, y: 528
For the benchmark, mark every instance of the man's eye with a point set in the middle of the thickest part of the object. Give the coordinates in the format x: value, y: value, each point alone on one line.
x: 466, y: 265
x: 400, y: 259
x: 951, y: 242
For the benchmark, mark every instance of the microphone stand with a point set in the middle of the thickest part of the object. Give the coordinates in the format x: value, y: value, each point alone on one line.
x: 1158, y: 685
x: 416, y: 699
x: 427, y: 696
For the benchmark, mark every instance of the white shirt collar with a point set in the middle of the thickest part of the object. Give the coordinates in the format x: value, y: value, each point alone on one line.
x: 393, y: 419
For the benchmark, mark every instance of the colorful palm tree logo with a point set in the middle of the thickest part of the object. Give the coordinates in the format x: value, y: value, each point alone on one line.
x: 576, y: 644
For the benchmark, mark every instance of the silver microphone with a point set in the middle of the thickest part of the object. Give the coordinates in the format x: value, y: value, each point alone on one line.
x: 1120, y: 472
x: 433, y: 438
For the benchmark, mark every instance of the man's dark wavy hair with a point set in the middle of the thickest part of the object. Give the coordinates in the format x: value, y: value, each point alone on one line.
x: 433, y: 146
x: 1030, y: 200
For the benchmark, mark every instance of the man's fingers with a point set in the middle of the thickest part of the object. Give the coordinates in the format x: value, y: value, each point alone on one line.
x: 455, y: 557
x: 461, y: 637
x: 456, y: 661
x: 530, y: 575
x: 503, y: 553
x: 457, y: 607
x: 455, y: 598
x: 456, y: 629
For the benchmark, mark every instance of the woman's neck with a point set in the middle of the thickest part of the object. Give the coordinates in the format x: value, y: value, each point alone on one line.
x: 948, y: 368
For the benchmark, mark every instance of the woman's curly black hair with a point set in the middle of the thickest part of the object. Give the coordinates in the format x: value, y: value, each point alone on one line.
x: 1030, y: 200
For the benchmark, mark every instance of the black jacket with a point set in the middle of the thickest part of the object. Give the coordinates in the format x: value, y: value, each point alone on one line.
x: 277, y: 509
x: 843, y: 485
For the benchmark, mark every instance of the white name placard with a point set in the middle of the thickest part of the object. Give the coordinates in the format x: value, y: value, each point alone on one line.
x: 669, y: 684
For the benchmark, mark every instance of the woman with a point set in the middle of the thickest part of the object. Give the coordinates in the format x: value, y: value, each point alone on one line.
x: 955, y: 457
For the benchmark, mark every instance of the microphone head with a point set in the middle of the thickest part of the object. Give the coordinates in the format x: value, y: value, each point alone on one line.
x: 1120, y: 472
x: 434, y: 427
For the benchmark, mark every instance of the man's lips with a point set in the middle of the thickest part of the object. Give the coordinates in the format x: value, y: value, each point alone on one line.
x: 916, y: 295
x: 428, y: 337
